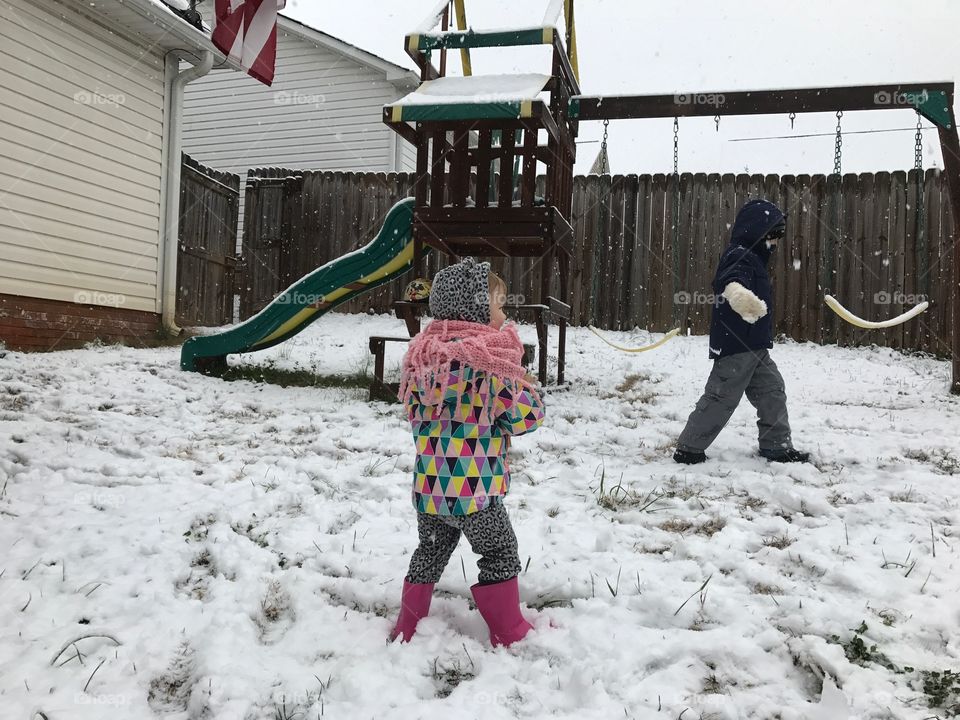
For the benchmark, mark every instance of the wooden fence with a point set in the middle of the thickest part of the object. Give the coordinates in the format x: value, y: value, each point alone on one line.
x: 296, y: 221
x: 634, y: 266
x: 207, y: 259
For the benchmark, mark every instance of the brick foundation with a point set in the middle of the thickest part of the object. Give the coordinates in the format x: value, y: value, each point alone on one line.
x: 37, y: 324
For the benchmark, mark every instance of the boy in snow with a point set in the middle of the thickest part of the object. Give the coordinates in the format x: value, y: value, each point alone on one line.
x: 741, y: 332
x: 466, y: 394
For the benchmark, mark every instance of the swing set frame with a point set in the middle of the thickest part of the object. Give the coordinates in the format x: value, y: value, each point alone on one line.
x: 445, y: 216
x: 934, y: 101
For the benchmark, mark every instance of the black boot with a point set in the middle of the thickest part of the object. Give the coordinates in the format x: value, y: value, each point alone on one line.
x: 689, y: 457
x: 786, y: 455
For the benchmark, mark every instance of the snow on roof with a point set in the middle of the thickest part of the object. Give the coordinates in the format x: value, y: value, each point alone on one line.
x: 477, y: 89
x: 487, y: 30
x: 427, y: 25
x: 431, y: 20
x: 552, y: 12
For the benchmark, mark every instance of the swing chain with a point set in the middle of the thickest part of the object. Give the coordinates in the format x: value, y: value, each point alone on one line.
x: 604, y: 170
x: 676, y: 212
x: 837, y: 147
x: 918, y: 167
x: 793, y: 116
x: 676, y: 131
x: 918, y: 145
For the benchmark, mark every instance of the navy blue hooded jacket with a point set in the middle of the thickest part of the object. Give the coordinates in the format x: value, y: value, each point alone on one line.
x: 744, y: 261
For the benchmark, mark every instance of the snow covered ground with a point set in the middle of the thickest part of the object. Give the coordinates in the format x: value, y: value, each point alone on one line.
x: 179, y: 546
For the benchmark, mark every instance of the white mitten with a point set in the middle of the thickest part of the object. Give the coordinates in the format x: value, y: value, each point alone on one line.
x: 744, y: 303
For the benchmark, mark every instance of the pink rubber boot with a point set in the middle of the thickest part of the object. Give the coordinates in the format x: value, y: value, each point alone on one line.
x: 414, y: 605
x: 499, y: 605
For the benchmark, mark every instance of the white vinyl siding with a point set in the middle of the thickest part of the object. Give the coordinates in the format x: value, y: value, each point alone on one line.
x: 323, y: 112
x: 81, y: 133
x: 409, y: 156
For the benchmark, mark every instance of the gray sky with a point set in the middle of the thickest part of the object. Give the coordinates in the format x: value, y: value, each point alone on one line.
x: 638, y: 47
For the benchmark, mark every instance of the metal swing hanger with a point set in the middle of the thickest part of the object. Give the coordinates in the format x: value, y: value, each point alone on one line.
x: 918, y: 167
x: 604, y: 164
x: 918, y: 144
x: 838, y: 146
x: 676, y: 143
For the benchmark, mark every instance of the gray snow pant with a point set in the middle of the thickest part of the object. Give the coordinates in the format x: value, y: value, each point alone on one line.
x: 489, y: 533
x: 755, y: 373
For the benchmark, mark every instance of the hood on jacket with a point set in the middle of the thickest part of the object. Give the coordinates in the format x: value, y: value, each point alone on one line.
x: 461, y: 292
x: 754, y: 221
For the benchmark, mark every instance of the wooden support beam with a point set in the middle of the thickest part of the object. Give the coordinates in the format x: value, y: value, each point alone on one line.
x: 569, y: 74
x: 422, y: 61
x: 760, y: 102
x: 505, y: 193
x: 543, y: 152
x: 421, y: 189
x: 401, y: 128
x: 549, y: 124
x: 558, y: 307
x: 460, y: 169
x: 950, y: 147
x: 439, y: 149
x: 528, y: 177
x: 482, y: 157
x: 444, y: 26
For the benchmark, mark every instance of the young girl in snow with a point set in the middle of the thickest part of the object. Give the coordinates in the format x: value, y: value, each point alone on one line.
x: 466, y: 393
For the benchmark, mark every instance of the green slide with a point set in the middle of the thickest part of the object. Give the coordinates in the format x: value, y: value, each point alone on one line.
x: 387, y: 256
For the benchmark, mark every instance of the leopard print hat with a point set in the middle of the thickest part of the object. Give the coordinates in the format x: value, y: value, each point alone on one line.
x: 461, y: 292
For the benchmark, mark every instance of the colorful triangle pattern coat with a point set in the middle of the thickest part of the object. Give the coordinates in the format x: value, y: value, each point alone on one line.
x: 460, y: 439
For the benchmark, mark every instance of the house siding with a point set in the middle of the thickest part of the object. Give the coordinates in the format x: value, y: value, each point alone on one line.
x: 81, y: 135
x: 323, y: 112
x: 408, y: 156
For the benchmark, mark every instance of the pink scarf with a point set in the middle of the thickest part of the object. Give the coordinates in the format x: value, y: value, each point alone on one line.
x: 482, y: 347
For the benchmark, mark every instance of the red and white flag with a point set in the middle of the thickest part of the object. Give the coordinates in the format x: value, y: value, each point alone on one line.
x: 246, y: 31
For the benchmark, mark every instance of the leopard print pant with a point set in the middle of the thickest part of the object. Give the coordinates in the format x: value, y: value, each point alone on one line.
x: 489, y: 533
